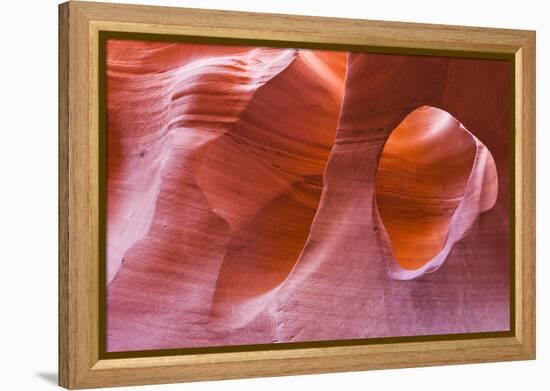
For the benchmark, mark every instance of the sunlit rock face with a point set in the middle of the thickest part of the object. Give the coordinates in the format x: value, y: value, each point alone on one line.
x: 260, y: 195
x: 434, y: 178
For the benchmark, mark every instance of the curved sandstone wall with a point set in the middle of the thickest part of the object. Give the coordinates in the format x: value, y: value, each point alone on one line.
x: 260, y: 195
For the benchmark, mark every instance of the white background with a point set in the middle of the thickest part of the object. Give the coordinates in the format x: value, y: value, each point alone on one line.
x: 28, y: 205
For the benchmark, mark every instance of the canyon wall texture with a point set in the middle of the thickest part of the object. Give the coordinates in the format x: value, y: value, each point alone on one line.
x: 260, y: 195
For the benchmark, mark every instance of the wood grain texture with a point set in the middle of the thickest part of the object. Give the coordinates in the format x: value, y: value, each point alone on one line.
x: 64, y: 368
x: 526, y: 203
x: 79, y: 363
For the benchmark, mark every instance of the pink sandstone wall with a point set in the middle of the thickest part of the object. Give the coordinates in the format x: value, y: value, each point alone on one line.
x: 260, y: 195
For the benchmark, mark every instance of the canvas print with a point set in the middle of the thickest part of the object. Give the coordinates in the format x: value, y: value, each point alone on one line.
x: 267, y: 195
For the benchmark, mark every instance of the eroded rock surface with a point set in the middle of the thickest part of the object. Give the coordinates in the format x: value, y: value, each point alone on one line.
x: 260, y: 195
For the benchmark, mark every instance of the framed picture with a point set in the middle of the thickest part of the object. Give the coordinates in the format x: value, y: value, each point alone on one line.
x: 251, y: 195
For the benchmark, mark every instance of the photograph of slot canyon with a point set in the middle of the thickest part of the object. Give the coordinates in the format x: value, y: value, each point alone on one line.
x: 259, y: 195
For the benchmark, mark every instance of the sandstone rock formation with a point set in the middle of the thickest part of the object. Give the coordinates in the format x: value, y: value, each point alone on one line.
x: 260, y: 195
x: 434, y: 178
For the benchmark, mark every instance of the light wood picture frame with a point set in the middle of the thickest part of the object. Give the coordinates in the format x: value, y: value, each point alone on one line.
x: 82, y: 360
